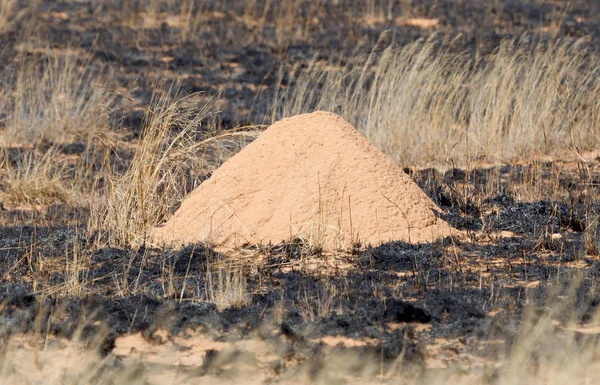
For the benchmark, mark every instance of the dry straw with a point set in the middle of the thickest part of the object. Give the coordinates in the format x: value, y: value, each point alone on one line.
x: 426, y: 104
x: 170, y: 160
x: 48, y: 103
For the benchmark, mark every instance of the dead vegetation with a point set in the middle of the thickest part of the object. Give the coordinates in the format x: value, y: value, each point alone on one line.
x: 425, y: 104
x: 35, y: 180
x: 7, y: 14
x: 167, y: 165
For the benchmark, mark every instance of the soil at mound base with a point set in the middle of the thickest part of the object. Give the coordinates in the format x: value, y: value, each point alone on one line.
x: 313, y: 177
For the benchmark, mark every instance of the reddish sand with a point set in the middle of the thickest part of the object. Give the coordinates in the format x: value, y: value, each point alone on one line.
x: 312, y: 177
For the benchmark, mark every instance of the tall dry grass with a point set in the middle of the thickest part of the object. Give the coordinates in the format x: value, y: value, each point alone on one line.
x: 57, y: 99
x: 7, y: 13
x: 158, y: 175
x: 172, y: 157
x: 424, y: 104
x: 47, y: 103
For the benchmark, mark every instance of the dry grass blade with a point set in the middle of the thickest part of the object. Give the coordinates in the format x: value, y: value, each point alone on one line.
x: 49, y: 103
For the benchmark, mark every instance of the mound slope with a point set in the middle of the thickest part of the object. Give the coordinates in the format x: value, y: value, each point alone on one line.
x: 313, y: 177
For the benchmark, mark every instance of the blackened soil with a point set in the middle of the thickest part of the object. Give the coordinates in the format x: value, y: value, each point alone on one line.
x: 466, y: 289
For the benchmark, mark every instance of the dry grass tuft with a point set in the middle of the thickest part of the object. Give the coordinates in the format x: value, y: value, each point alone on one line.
x: 424, y: 104
x: 35, y: 180
x: 169, y: 162
x: 57, y: 99
x: 226, y: 287
x: 159, y: 174
x: 50, y: 102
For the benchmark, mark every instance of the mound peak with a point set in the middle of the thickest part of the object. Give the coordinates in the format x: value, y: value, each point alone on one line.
x: 313, y: 177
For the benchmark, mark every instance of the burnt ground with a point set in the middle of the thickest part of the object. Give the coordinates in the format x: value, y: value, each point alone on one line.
x: 454, y: 294
x: 529, y: 230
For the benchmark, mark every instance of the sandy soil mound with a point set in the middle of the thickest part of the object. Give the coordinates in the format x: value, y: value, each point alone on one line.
x: 312, y: 177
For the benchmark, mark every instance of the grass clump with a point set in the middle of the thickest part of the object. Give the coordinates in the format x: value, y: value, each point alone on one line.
x: 48, y: 103
x: 427, y: 104
x: 169, y: 162
x: 159, y: 173
x: 55, y: 99
x: 226, y: 287
x: 35, y: 180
